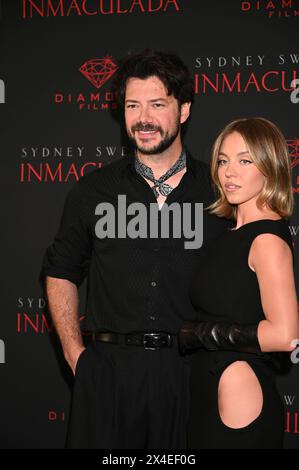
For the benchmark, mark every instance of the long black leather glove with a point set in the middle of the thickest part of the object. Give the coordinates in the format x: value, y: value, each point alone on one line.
x: 222, y: 336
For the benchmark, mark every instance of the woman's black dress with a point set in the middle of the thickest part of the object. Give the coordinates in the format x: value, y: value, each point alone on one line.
x: 226, y: 289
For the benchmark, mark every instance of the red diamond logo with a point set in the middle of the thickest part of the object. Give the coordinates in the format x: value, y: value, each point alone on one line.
x: 294, y: 151
x: 98, y: 71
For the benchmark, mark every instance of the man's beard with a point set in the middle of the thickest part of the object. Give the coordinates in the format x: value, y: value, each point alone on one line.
x: 164, y: 144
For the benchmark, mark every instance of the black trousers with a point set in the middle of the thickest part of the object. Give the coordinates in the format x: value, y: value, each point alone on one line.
x: 126, y: 397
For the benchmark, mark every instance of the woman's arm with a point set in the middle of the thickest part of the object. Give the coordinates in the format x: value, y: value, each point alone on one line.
x: 271, y: 259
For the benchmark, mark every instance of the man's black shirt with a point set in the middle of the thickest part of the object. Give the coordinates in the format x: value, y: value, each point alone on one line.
x: 139, y: 284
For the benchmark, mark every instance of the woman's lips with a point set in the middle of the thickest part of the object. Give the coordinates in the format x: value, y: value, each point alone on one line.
x: 231, y: 187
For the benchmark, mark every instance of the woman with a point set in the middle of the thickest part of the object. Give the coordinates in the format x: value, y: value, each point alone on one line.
x: 244, y: 293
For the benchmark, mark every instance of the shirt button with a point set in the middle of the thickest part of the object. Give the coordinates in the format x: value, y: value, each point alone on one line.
x: 153, y: 284
x: 152, y: 318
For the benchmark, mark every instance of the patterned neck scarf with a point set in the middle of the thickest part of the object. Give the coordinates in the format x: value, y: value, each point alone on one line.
x: 164, y: 189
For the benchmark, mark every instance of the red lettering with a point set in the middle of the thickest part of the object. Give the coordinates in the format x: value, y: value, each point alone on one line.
x: 136, y: 3
x: 53, y: 176
x: 229, y: 86
x: 172, y: 2
x: 252, y: 81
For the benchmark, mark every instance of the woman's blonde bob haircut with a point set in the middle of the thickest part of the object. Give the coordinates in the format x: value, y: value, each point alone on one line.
x: 269, y: 152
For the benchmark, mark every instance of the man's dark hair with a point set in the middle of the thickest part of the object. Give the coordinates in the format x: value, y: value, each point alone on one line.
x: 168, y: 67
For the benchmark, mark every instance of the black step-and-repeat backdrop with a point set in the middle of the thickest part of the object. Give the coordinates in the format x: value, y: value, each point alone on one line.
x: 57, y: 58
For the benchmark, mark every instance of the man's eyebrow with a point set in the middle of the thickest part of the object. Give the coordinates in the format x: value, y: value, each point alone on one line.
x: 150, y: 101
x: 158, y: 99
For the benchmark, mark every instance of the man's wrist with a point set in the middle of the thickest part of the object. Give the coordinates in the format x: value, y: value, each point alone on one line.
x: 72, y: 356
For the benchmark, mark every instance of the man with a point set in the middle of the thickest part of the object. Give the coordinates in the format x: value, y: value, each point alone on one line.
x: 131, y: 383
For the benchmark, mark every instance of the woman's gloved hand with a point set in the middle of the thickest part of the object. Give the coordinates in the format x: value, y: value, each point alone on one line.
x: 222, y: 336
